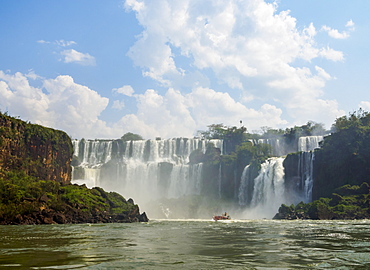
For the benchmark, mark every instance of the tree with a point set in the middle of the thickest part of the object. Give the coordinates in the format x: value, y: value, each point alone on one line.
x: 355, y: 119
x: 131, y: 137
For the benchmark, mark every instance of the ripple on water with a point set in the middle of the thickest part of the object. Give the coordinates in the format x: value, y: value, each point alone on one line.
x: 189, y: 244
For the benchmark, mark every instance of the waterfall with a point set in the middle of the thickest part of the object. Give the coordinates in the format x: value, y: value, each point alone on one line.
x: 281, y: 147
x: 309, y: 143
x: 245, y: 186
x: 269, y: 189
x: 144, y: 170
x: 305, y: 169
x: 277, y: 145
x: 265, y: 193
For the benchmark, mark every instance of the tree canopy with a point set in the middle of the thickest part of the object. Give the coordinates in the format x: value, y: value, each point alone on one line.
x: 129, y: 136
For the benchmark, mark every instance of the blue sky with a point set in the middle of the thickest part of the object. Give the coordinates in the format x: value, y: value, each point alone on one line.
x: 99, y: 69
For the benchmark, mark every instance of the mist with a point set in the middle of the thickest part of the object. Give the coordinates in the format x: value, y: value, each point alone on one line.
x: 159, y: 177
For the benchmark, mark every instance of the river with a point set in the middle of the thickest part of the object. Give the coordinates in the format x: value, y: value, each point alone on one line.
x: 189, y: 244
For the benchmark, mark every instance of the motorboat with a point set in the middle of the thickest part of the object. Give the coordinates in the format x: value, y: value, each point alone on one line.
x: 222, y: 217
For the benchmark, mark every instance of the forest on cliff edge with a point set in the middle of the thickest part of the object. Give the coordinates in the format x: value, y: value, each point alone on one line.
x: 35, y: 176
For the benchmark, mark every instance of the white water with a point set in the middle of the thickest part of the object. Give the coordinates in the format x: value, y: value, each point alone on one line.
x: 144, y: 170
x: 305, y: 169
x: 148, y: 170
x: 243, y: 189
x: 309, y: 143
x: 280, y: 148
x: 268, y: 189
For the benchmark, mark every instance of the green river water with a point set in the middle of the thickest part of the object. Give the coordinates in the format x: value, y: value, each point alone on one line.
x: 189, y: 244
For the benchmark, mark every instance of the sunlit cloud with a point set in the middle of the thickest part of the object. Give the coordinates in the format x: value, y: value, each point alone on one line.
x: 60, y: 103
x: 247, y: 46
x: 73, y: 56
x: 334, y: 33
x: 126, y: 90
x: 365, y: 105
x: 61, y: 42
x: 118, y: 104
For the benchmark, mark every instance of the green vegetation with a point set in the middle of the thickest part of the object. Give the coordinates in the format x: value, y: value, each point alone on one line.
x: 25, y: 198
x: 35, y: 173
x: 348, y: 202
x: 239, y: 151
x: 131, y: 137
x: 35, y: 150
x: 344, y: 156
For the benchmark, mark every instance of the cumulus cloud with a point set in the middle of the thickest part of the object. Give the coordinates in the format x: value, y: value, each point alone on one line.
x: 60, y: 103
x: 365, y: 105
x: 350, y: 25
x: 126, y: 90
x: 64, y: 104
x: 331, y: 54
x: 73, y: 56
x: 180, y: 115
x: 334, y: 33
x: 248, y: 46
x: 118, y: 104
x: 19, y: 98
x: 247, y: 50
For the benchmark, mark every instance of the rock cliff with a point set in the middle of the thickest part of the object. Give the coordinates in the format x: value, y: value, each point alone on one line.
x: 38, y: 151
x: 35, y: 175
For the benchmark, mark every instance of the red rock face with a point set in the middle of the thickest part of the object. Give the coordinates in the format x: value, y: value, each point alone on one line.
x: 38, y: 151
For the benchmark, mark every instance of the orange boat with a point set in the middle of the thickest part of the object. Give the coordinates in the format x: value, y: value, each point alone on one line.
x: 223, y: 217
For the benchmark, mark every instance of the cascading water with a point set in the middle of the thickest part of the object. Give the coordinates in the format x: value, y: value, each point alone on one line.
x: 144, y: 170
x: 309, y: 143
x: 245, y: 186
x: 268, y: 189
x: 278, y: 147
x: 147, y: 170
x: 305, y: 169
x: 265, y: 193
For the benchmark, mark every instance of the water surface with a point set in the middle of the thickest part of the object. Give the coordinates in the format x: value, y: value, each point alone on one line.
x: 188, y: 244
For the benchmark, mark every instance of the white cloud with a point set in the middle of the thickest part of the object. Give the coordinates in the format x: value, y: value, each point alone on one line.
x: 351, y: 25
x: 118, y: 104
x: 32, y: 75
x: 73, y: 56
x: 248, y: 46
x: 334, y: 33
x: 331, y: 54
x: 181, y: 115
x: 61, y: 42
x: 21, y: 99
x: 126, y: 90
x: 64, y: 43
x: 61, y: 104
x: 365, y: 105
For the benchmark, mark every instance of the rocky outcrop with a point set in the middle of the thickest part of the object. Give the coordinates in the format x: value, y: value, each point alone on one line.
x: 348, y: 202
x: 38, y: 151
x: 72, y: 215
x: 35, y: 176
x: 64, y: 204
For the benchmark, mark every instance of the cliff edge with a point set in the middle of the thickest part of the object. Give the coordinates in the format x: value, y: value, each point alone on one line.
x: 35, y: 175
x: 38, y: 151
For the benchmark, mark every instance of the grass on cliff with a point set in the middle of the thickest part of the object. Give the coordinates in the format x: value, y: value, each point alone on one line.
x: 348, y: 202
x: 21, y: 194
